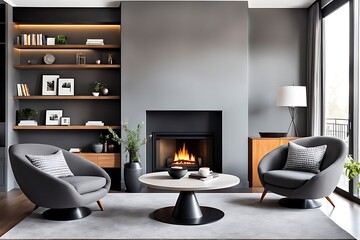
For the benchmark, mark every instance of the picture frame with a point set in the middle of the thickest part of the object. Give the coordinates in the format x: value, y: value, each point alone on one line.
x: 49, y: 84
x: 66, y: 86
x: 52, y: 117
x: 65, y: 121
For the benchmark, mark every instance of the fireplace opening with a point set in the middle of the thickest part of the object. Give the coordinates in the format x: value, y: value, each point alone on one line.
x: 190, y: 150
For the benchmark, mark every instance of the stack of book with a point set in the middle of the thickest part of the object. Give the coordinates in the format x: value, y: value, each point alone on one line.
x: 28, y: 123
x: 95, y: 41
x: 211, y: 176
x: 94, y: 123
x: 75, y: 150
x: 22, y: 90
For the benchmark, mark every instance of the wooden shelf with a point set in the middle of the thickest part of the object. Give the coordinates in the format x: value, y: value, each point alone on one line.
x: 67, y: 97
x: 67, y: 66
x: 68, y: 46
x: 80, y: 127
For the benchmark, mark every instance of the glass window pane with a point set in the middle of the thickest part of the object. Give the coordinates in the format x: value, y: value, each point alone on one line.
x: 336, y: 77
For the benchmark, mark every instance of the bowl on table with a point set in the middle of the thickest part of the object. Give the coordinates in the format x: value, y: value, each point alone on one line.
x: 177, y: 172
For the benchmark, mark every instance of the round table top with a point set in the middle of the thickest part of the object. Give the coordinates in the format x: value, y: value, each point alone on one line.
x: 162, y: 180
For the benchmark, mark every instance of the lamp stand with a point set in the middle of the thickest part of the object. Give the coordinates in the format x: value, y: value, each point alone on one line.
x: 292, y: 111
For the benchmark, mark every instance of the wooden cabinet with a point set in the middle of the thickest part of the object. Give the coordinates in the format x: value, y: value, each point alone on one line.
x: 258, y: 148
x: 105, y: 160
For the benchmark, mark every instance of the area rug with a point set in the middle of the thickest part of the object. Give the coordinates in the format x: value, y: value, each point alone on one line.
x: 126, y: 216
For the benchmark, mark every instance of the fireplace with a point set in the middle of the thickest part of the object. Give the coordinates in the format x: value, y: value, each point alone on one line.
x: 197, y: 134
x: 190, y: 150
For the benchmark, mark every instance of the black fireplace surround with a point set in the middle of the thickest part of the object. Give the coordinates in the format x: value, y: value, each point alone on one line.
x: 200, y: 131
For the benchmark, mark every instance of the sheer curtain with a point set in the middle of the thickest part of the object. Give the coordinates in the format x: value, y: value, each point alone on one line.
x: 314, y: 82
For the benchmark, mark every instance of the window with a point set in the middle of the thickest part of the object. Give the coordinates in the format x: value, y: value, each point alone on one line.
x: 336, y: 41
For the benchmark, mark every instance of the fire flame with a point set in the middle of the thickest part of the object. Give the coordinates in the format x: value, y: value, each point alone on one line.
x: 183, y: 156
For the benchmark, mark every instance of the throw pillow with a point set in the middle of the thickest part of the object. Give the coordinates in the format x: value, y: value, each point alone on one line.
x: 54, y: 164
x: 304, y: 159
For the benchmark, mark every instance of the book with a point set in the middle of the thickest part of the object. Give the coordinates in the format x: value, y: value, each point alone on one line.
x: 28, y: 123
x: 94, y: 123
x: 75, y: 150
x: 203, y: 178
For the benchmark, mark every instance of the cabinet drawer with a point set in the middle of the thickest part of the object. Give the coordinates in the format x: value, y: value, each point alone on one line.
x: 91, y: 157
x: 105, y: 160
x: 109, y: 160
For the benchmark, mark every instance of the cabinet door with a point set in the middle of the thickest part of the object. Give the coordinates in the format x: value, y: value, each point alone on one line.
x: 91, y: 157
x: 260, y: 147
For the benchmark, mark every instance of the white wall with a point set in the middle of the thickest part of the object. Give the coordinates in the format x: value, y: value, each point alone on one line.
x: 188, y: 56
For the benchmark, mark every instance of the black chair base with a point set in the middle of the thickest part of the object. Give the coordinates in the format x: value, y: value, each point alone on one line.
x: 66, y: 214
x: 299, y: 203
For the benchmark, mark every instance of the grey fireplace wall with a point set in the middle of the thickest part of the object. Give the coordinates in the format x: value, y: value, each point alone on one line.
x: 188, y: 56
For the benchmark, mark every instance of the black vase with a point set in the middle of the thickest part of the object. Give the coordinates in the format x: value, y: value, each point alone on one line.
x: 132, y: 172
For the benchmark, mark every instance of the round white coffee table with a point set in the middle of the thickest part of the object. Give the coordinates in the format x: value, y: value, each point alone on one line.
x: 187, y: 210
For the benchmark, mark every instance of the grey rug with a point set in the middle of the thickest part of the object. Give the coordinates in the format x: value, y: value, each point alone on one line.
x: 126, y: 216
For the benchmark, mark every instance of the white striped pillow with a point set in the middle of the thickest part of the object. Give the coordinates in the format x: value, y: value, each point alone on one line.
x: 54, y: 164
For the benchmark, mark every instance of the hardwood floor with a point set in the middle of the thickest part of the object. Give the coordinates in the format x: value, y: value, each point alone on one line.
x: 14, y: 207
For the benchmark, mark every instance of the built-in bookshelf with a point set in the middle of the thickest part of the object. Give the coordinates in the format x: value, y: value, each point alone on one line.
x: 82, y: 106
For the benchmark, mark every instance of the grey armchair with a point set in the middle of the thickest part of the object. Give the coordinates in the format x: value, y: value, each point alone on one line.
x: 64, y: 196
x: 302, y: 188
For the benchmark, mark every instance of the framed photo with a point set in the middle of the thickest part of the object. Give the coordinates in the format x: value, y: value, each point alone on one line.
x: 52, y: 117
x: 66, y: 86
x: 65, y: 121
x: 49, y: 84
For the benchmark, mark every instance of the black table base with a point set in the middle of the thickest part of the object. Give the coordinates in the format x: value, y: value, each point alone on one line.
x: 188, y: 212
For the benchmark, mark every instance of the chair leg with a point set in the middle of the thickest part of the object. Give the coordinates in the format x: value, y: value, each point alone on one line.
x: 263, y: 195
x: 36, y: 207
x: 100, y: 205
x: 331, y: 202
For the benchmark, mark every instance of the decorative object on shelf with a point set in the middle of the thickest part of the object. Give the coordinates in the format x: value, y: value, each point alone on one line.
x: 49, y: 58
x: 98, y: 61
x: 26, y: 115
x: 104, y: 138
x: 50, y: 41
x: 80, y: 58
x: 352, y: 169
x: 49, y: 84
x: 104, y: 91
x: 65, y: 121
x: 52, y: 117
x: 97, y: 147
x: 94, y: 123
x: 66, y: 87
x: 292, y: 97
x: 110, y: 59
x: 98, y: 86
x: 111, y: 147
x: 61, y: 39
x: 273, y: 134
x: 132, y: 144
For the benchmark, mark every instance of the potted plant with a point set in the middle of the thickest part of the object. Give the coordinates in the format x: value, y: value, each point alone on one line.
x: 132, y: 144
x: 100, y: 87
x: 27, y: 113
x: 104, y: 139
x: 352, y: 169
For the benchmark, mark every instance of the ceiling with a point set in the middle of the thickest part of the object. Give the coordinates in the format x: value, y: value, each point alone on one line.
x: 113, y: 3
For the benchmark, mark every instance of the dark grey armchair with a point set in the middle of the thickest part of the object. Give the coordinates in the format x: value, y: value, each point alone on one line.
x: 64, y: 196
x: 302, y: 188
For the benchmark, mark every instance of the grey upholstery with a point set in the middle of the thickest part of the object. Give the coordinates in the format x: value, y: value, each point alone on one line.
x: 90, y: 183
x: 303, y: 185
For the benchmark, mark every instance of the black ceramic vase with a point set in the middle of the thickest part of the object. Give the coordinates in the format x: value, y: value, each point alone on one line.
x: 132, y: 172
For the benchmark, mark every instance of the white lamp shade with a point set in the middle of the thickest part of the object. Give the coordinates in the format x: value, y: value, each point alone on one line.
x: 291, y: 96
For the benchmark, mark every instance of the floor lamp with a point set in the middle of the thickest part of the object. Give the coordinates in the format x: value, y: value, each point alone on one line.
x: 292, y: 97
